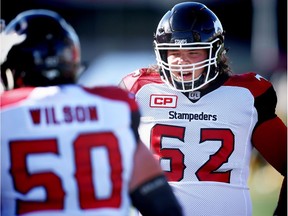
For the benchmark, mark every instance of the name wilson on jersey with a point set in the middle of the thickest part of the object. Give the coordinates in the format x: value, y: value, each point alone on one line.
x: 66, y: 114
x: 192, y: 116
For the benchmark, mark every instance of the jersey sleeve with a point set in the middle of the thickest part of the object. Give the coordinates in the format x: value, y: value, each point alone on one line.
x: 265, y: 98
x: 265, y: 104
x: 270, y: 139
x: 270, y: 133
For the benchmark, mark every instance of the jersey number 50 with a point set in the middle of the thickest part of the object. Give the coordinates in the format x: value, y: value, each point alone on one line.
x: 51, y: 182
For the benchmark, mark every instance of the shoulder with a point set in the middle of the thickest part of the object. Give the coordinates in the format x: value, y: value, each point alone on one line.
x: 254, y: 82
x: 265, y: 98
x: 12, y: 97
x: 114, y: 93
x: 135, y: 80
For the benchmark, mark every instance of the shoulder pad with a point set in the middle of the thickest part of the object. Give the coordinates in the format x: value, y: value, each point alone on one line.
x: 254, y: 82
x: 14, y: 96
x: 135, y: 80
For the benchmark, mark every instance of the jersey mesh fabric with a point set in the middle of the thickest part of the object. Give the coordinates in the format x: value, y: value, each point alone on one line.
x: 81, y: 126
x: 188, y: 136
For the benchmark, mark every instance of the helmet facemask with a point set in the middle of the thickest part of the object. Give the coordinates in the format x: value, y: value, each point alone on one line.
x: 189, y: 26
x: 214, y: 50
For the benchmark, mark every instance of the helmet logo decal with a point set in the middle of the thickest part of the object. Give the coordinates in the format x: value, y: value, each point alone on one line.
x: 180, y: 41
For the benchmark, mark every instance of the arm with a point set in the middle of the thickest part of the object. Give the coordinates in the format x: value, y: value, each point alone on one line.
x: 270, y: 139
x: 149, y: 189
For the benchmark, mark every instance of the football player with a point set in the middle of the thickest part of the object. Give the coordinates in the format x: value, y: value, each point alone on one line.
x: 66, y: 149
x: 200, y: 120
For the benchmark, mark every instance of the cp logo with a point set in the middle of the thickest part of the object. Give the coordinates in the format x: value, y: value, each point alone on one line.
x: 164, y: 101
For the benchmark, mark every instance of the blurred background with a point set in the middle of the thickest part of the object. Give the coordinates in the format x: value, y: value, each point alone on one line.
x: 116, y: 38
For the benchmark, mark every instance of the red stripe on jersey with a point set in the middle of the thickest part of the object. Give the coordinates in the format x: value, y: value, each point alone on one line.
x: 256, y: 84
x: 114, y: 93
x: 14, y: 96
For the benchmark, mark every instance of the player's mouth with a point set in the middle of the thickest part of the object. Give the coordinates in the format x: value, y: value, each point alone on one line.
x: 186, y: 76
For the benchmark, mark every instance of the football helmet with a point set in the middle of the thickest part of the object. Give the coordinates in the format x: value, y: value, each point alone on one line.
x: 40, y: 49
x: 190, y: 26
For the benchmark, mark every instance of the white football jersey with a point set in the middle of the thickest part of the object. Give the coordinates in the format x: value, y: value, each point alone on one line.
x: 202, y: 140
x: 66, y: 151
